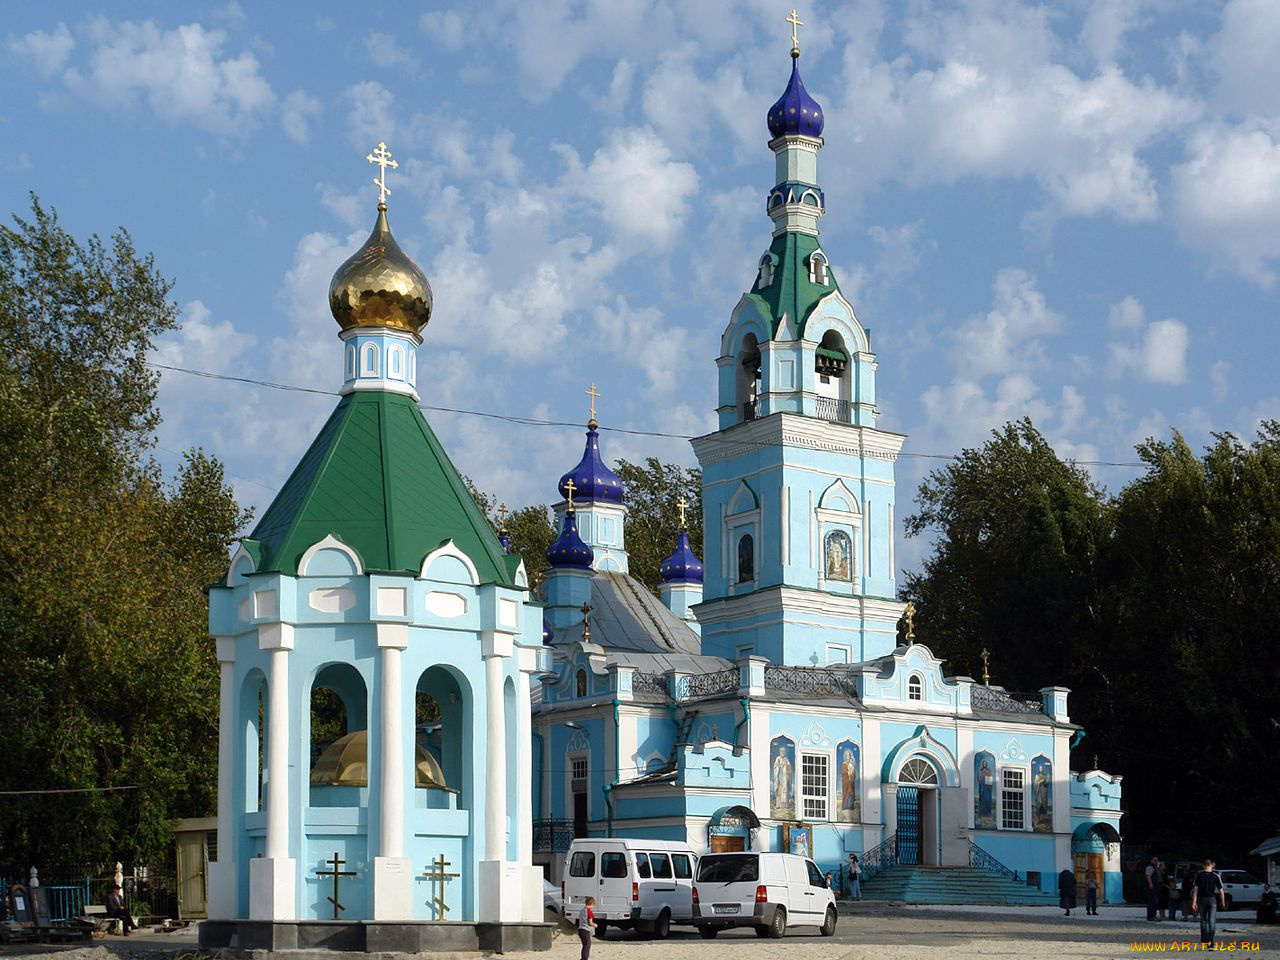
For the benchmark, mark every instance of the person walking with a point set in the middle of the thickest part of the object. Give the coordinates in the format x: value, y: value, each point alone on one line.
x: 1066, y: 890
x: 586, y: 925
x: 1162, y: 903
x: 1091, y: 896
x: 117, y: 910
x: 1187, y: 880
x: 1207, y: 894
x: 1153, y: 880
x: 855, y: 877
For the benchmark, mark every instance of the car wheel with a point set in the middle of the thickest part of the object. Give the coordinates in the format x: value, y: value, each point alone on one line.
x: 662, y: 925
x: 779, y: 925
x: 601, y: 927
x: 828, y: 927
x: 762, y: 932
x: 708, y: 933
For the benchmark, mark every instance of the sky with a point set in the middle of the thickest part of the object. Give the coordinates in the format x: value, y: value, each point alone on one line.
x: 1067, y: 211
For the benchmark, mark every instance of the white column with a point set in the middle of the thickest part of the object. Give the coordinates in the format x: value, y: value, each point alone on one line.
x: 495, y: 817
x: 392, y: 871
x: 524, y: 761
x: 272, y: 879
x: 222, y: 874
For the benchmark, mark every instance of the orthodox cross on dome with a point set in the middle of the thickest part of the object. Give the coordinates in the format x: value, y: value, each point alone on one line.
x: 337, y: 863
x: 909, y: 617
x: 986, y: 667
x: 382, y: 157
x: 438, y: 876
x: 570, y: 486
x: 586, y: 623
x: 681, y: 504
x: 796, y: 24
x: 502, y: 517
x: 595, y: 395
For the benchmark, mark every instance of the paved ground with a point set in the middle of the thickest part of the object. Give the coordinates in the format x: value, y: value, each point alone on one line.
x: 866, y: 931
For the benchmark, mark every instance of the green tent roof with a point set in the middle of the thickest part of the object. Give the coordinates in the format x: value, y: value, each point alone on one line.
x: 791, y: 293
x: 377, y: 478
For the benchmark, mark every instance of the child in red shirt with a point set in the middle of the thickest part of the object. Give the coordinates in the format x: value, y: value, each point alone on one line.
x: 586, y: 924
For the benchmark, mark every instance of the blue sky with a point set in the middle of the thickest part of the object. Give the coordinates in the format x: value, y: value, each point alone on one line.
x: 1068, y: 211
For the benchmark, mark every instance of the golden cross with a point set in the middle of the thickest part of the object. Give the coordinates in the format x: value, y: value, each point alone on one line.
x: 682, y: 503
x: 796, y: 24
x: 595, y: 395
x: 382, y: 157
x: 570, y: 486
x: 909, y: 615
x: 502, y: 516
x: 438, y: 876
x: 586, y: 622
x: 986, y: 666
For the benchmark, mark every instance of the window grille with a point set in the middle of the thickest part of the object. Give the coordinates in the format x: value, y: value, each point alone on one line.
x: 814, y: 786
x: 1012, y: 800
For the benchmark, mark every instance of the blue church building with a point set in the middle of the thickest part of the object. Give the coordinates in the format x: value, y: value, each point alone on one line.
x: 772, y: 697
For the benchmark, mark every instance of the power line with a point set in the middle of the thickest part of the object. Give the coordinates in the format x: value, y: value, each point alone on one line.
x: 28, y: 793
x: 538, y: 422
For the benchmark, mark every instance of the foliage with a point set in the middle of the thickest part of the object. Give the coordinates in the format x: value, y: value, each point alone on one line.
x: 1155, y: 606
x: 109, y: 674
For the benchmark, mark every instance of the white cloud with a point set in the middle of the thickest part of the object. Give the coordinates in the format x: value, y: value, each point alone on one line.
x: 640, y: 190
x: 1243, y: 53
x: 371, y: 116
x: 1105, y: 26
x: 962, y: 413
x: 1220, y: 379
x: 1127, y: 315
x: 385, y: 51
x: 182, y: 75
x: 1008, y: 338
x: 644, y: 339
x: 1227, y: 199
x: 445, y: 27
x: 1159, y: 357
x: 46, y: 52
x: 297, y: 112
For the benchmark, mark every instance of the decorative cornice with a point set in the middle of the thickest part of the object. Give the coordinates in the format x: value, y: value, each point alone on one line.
x: 796, y: 430
x: 792, y: 599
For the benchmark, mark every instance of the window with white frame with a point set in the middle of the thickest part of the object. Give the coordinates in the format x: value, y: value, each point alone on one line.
x: 815, y: 785
x: 915, y: 687
x: 577, y: 774
x: 837, y: 653
x: 1013, y: 800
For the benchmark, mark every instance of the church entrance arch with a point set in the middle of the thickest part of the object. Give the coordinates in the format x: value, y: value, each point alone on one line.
x: 732, y: 829
x: 917, y: 812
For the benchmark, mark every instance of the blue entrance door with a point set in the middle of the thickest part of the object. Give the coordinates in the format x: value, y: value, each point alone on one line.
x: 908, y: 824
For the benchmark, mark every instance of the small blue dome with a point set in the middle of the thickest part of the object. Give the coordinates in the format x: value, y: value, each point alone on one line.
x: 796, y: 111
x: 569, y: 550
x: 592, y: 480
x: 504, y: 538
x: 683, y: 566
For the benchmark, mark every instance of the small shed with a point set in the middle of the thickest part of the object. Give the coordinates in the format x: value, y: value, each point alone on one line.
x: 196, y: 840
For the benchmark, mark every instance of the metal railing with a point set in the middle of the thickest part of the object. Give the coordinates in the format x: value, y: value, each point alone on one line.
x: 1001, y: 701
x: 652, y: 683
x: 879, y: 858
x: 750, y: 410
x: 838, y: 683
x: 552, y: 836
x: 710, y: 684
x: 980, y: 858
x: 836, y: 410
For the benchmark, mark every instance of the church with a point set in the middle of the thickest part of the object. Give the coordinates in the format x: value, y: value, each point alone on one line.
x: 764, y: 700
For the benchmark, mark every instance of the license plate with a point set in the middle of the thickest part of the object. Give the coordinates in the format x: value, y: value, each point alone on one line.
x: 725, y: 908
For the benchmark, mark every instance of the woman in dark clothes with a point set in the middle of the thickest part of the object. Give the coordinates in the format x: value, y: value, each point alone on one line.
x: 1067, y: 891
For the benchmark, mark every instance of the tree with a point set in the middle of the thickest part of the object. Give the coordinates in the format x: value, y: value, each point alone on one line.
x: 110, y: 684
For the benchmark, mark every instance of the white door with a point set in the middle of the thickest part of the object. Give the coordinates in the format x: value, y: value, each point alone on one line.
x: 614, y: 897
x: 666, y: 892
x: 683, y: 866
x: 799, y: 896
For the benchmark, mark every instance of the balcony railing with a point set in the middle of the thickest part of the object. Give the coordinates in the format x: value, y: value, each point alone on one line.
x: 817, y: 680
x: 651, y: 683
x: 1001, y: 701
x: 710, y: 684
x: 552, y: 836
x: 833, y: 409
x: 750, y: 409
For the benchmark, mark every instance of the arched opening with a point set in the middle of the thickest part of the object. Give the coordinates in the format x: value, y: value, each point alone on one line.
x: 765, y: 277
x: 339, y: 763
x: 915, y: 687
x: 513, y: 767
x: 831, y: 369
x: 748, y: 378
x: 351, y: 362
x: 369, y: 362
x: 917, y: 811
x: 746, y: 558
x: 818, y: 267
x: 253, y: 713
x: 443, y: 732
x: 395, y: 362
x: 580, y: 683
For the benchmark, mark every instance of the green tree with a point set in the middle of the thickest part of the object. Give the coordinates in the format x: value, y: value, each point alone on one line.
x: 109, y: 677
x: 653, y: 519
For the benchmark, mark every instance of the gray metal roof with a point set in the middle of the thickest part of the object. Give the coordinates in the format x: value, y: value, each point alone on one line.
x: 626, y: 616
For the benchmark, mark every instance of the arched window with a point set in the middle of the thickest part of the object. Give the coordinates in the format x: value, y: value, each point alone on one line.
x: 818, y: 268
x: 766, y: 272
x: 351, y: 362
x: 918, y: 770
x: 915, y: 687
x: 580, y: 684
x: 394, y: 362
x: 746, y: 558
x: 748, y: 377
x: 369, y: 363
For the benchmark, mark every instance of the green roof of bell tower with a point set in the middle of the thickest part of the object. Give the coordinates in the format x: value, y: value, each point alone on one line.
x: 377, y: 478
x: 791, y: 292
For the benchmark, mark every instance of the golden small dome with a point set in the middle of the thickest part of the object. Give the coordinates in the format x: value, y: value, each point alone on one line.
x: 345, y: 763
x: 379, y: 286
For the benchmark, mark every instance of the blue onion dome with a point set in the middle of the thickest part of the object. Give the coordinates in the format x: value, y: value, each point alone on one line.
x: 592, y: 480
x: 547, y: 634
x: 504, y: 538
x: 569, y: 550
x: 796, y: 111
x: 683, y: 566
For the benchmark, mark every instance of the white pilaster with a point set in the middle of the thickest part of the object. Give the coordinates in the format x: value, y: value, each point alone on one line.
x: 495, y: 816
x: 273, y: 879
x: 222, y: 874
x: 524, y: 760
x: 392, y: 871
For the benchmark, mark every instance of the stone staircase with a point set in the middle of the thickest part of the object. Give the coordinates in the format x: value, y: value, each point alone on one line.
x: 920, y: 884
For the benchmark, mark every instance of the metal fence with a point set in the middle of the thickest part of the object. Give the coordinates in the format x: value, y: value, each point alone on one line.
x: 651, y: 683
x: 150, y: 896
x: 552, y: 836
x: 817, y: 680
x: 710, y: 684
x: 837, y: 411
x: 1001, y: 701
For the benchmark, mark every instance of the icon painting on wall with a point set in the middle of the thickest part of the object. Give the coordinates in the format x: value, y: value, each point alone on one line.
x: 984, y: 797
x: 848, y: 756
x: 837, y: 551
x: 1042, y: 795
x: 782, y: 791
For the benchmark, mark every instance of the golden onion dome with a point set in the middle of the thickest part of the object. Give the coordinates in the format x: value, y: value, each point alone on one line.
x: 345, y: 763
x: 380, y: 286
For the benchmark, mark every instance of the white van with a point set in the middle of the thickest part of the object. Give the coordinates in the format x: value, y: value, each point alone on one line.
x: 767, y: 891
x: 645, y: 885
